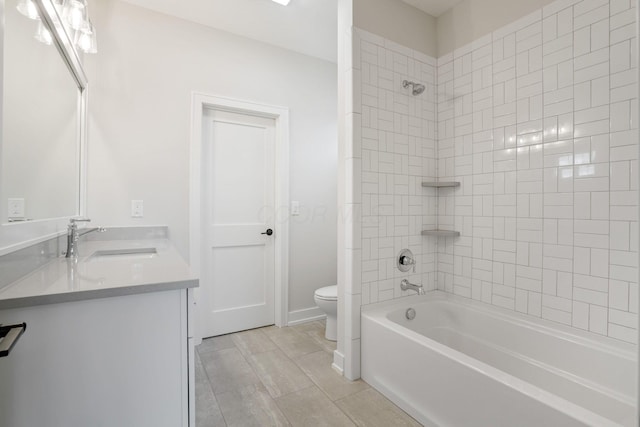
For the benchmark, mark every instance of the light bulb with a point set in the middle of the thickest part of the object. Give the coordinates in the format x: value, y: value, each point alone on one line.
x: 75, y: 14
x: 59, y: 5
x: 84, y: 42
x: 28, y: 9
x: 85, y: 38
x: 43, y: 35
x: 93, y: 47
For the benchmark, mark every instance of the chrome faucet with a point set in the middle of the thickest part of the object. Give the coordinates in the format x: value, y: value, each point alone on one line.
x: 73, y: 234
x: 405, y: 285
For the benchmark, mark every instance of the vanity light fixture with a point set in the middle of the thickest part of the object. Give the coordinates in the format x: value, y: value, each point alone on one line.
x: 74, y: 15
x: 282, y: 2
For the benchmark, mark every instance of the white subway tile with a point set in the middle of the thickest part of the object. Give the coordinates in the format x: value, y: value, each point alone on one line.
x: 589, y: 296
x: 559, y: 6
x: 623, y: 333
x: 617, y: 6
x: 581, y: 260
x: 580, y: 315
x: 585, y: 6
x: 633, y: 297
x: 582, y: 41
x: 600, y: 205
x: 623, y: 18
x: 556, y: 315
x: 625, y: 32
x: 619, y: 295
x: 598, y: 319
x: 591, y: 72
x: 600, y: 91
x: 600, y: 34
x: 590, y: 282
x: 621, y: 56
x: 590, y: 17
x: 623, y: 318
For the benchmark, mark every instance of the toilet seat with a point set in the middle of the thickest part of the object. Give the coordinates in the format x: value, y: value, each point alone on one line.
x: 328, y: 293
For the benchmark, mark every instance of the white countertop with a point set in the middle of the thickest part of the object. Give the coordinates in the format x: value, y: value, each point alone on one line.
x: 89, y: 276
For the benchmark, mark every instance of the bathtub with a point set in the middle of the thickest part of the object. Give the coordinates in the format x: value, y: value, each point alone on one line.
x: 464, y: 363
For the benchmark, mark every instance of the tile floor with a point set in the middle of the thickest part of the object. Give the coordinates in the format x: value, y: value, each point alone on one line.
x: 283, y: 377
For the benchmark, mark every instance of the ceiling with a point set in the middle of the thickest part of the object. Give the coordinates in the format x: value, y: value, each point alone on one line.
x: 306, y: 26
x: 433, y: 7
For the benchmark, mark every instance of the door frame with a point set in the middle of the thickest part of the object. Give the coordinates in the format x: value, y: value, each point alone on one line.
x: 199, y: 103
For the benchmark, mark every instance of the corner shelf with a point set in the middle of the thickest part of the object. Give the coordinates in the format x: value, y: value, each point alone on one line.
x: 440, y: 233
x: 439, y: 184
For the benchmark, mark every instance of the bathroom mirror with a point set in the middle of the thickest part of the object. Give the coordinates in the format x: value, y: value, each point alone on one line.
x: 43, y: 114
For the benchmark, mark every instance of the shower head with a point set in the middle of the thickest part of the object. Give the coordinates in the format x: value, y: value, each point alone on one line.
x: 417, y: 88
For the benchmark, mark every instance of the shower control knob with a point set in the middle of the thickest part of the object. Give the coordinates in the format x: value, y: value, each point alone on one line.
x: 269, y: 232
x: 405, y: 260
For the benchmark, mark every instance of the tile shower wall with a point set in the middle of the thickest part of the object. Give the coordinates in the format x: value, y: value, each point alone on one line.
x: 390, y: 149
x: 398, y: 151
x: 538, y: 123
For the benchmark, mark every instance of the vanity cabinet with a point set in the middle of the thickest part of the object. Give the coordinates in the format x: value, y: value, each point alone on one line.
x: 119, y: 361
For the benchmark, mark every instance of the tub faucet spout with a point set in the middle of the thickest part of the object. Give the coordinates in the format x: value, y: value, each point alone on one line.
x: 405, y: 285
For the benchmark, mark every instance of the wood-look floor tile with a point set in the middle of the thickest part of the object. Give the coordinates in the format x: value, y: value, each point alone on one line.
x: 237, y: 376
x: 278, y: 373
x: 291, y: 342
x: 325, y: 344
x: 371, y: 409
x: 310, y: 408
x: 208, y: 412
x: 309, y: 326
x: 253, y: 341
x: 250, y: 406
x: 215, y: 344
x: 318, y: 367
x: 228, y: 370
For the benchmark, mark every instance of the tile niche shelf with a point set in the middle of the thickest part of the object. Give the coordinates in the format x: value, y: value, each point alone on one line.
x: 440, y: 184
x: 437, y: 232
x: 440, y: 233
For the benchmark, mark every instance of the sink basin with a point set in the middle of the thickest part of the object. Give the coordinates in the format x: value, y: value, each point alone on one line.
x: 129, y: 253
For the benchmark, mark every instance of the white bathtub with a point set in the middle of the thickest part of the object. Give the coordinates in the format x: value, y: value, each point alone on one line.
x: 464, y: 363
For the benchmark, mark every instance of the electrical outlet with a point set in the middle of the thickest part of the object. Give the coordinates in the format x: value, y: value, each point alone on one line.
x: 16, y: 208
x: 137, y: 209
x: 295, y: 208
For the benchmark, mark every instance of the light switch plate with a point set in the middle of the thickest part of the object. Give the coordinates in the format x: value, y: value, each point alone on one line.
x: 16, y: 208
x: 137, y: 208
x: 295, y: 208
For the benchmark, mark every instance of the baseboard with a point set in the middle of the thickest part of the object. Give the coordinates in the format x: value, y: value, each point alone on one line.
x: 305, y: 315
x: 338, y: 362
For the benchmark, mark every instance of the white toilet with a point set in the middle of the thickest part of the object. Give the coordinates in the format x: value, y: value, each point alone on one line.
x: 327, y: 299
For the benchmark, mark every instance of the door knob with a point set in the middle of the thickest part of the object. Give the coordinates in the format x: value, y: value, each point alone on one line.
x: 269, y: 232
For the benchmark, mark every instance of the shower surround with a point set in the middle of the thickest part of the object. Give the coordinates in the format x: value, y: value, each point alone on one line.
x: 538, y: 122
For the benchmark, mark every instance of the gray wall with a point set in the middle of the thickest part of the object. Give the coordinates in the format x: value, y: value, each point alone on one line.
x: 471, y: 19
x: 140, y: 123
x: 398, y: 22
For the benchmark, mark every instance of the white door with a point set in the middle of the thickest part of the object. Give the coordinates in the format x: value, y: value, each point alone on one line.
x: 239, y: 196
